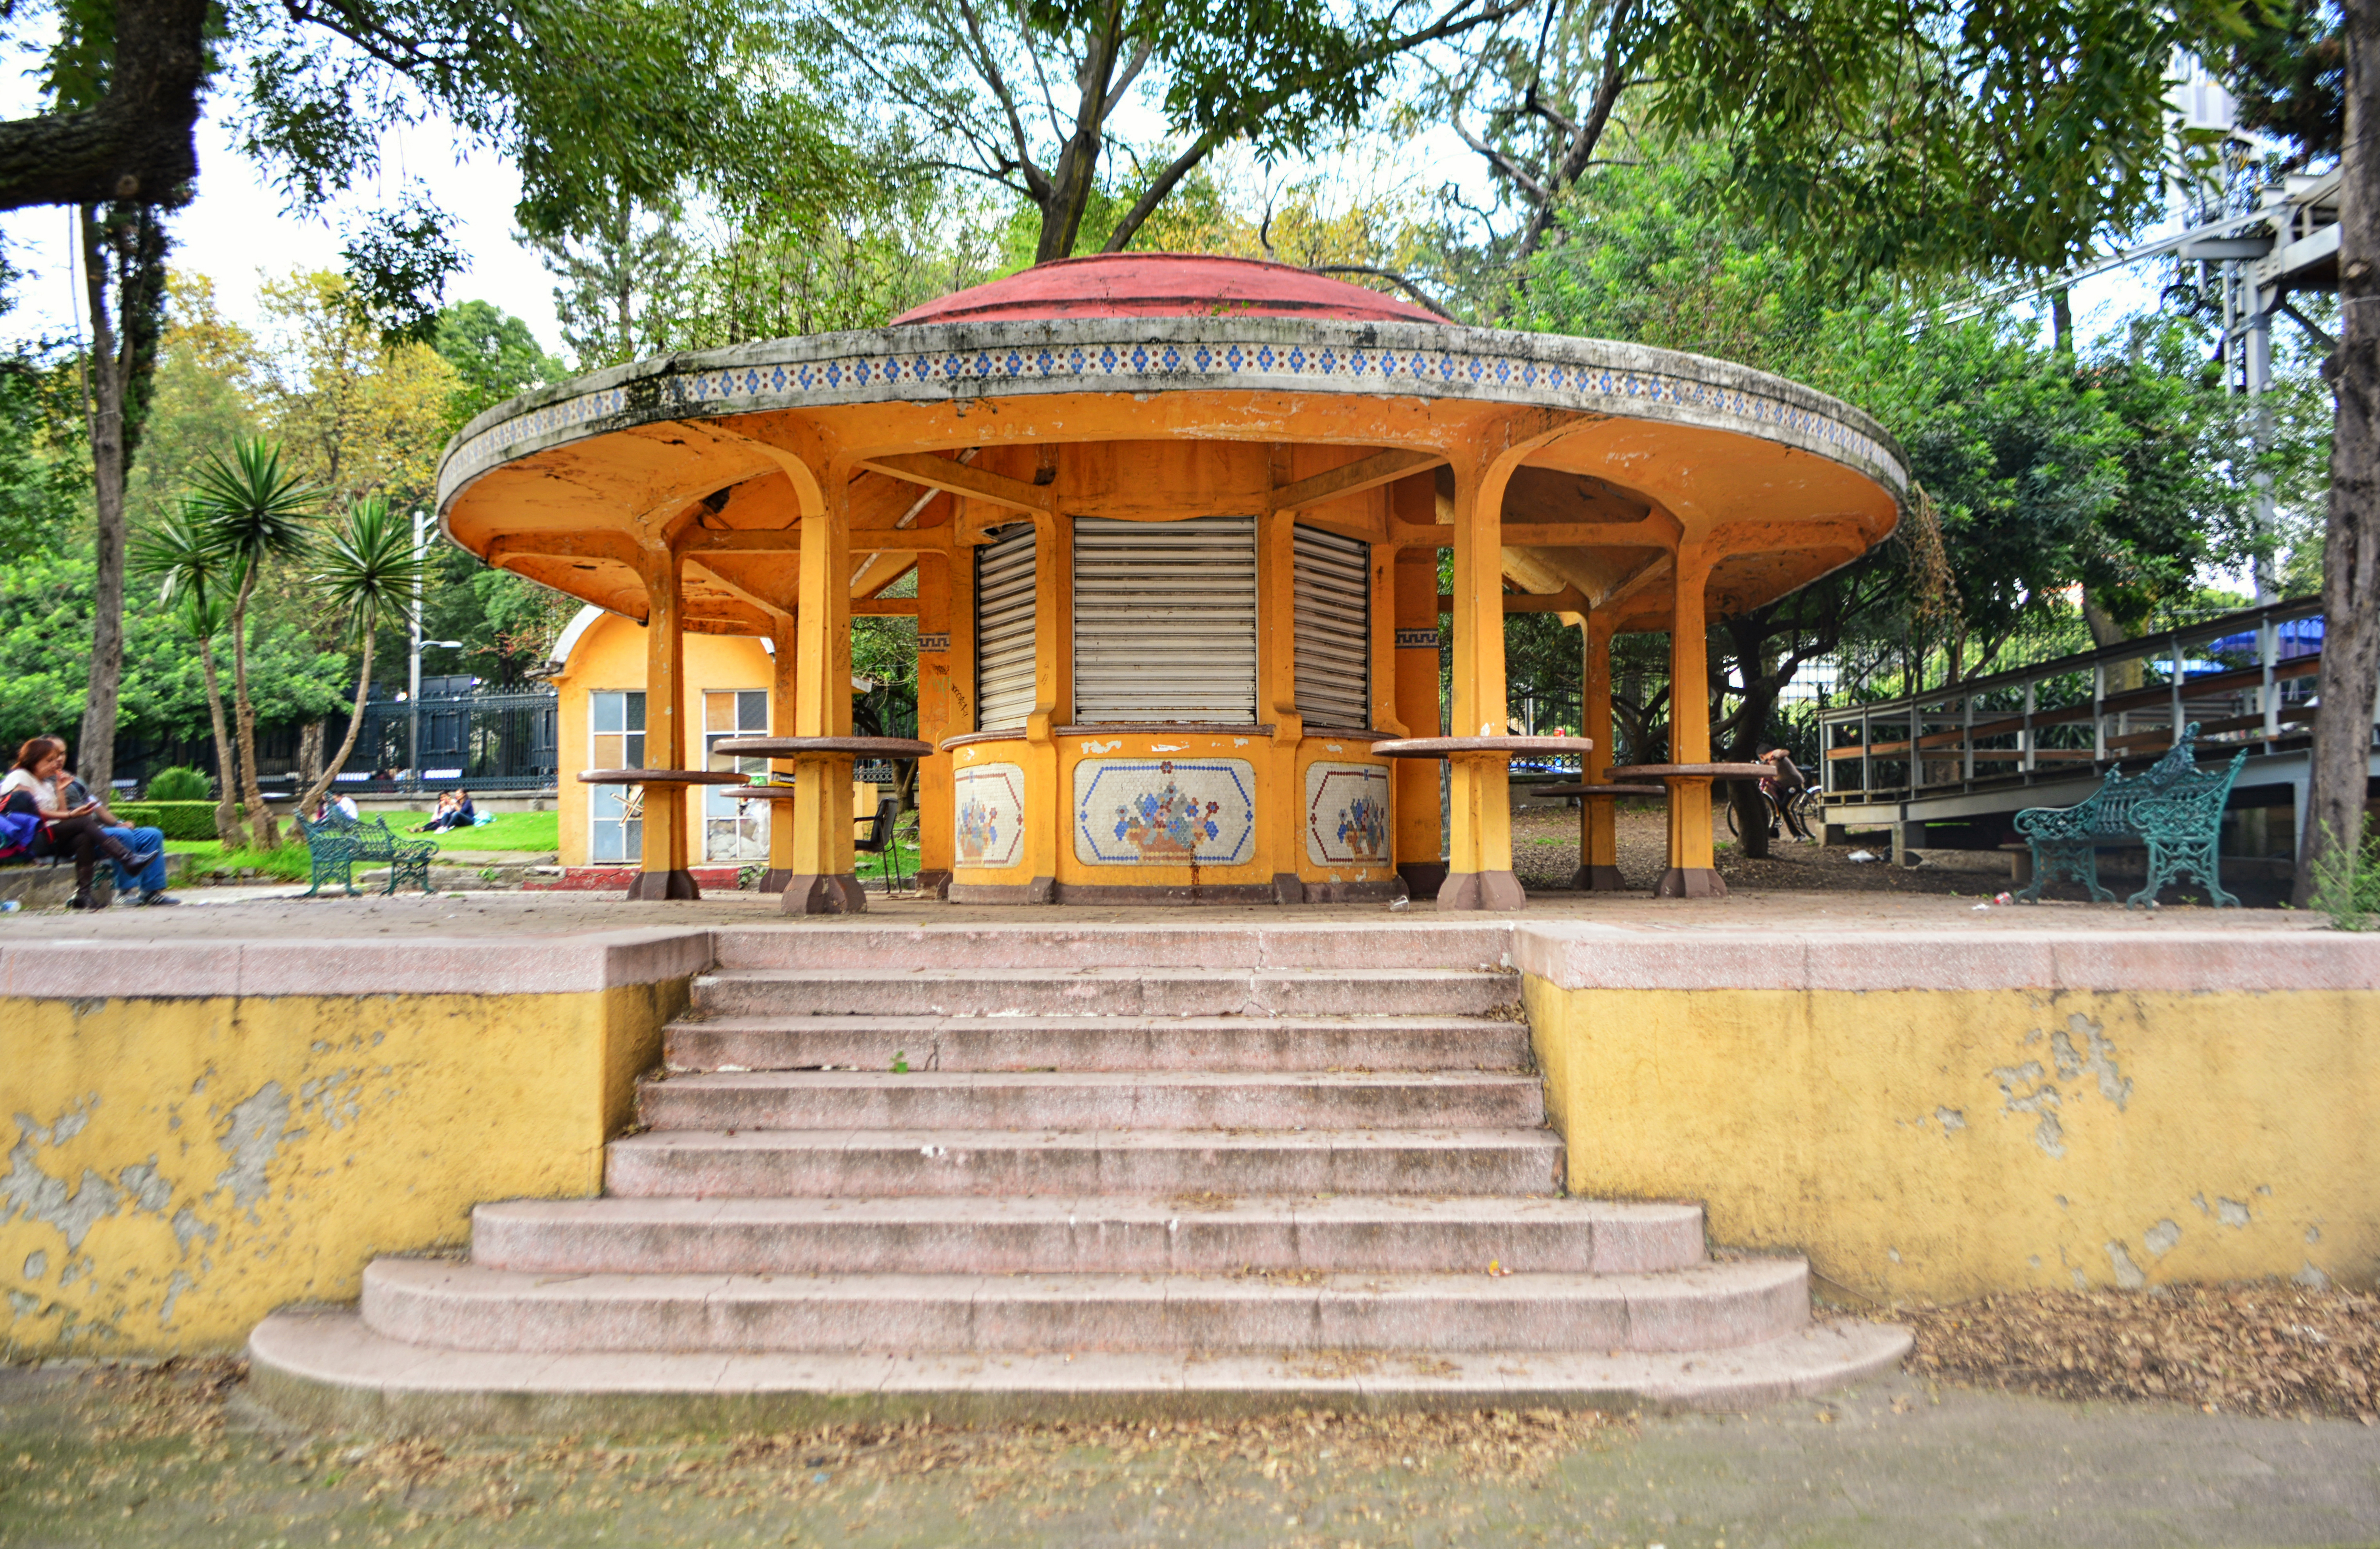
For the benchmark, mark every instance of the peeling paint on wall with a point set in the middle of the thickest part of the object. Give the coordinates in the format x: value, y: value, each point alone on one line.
x: 260, y: 1127
x: 2161, y: 1237
x: 2100, y: 1062
x: 2037, y: 1099
x: 2127, y: 1274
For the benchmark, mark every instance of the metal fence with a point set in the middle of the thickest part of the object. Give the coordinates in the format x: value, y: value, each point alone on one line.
x: 485, y: 742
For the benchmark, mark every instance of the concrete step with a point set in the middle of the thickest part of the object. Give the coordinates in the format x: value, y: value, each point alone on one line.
x: 1350, y: 1233
x: 788, y: 1042
x: 327, y: 1371
x: 1150, y: 1162
x: 1412, y: 943
x: 1107, y: 992
x: 465, y: 1307
x: 1095, y: 1100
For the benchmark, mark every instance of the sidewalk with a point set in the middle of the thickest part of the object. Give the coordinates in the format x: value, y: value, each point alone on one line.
x: 1895, y: 1464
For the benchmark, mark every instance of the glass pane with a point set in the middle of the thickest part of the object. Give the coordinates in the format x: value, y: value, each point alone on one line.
x: 608, y: 843
x: 752, y: 711
x: 605, y: 711
x: 634, y: 848
x: 635, y: 751
x: 611, y: 751
x: 718, y: 712
x: 635, y: 711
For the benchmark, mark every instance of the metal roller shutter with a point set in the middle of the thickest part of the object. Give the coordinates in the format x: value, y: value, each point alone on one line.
x: 1165, y: 620
x: 1334, y: 630
x: 1003, y: 630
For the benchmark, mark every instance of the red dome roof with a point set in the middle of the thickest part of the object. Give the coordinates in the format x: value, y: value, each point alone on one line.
x: 1165, y: 285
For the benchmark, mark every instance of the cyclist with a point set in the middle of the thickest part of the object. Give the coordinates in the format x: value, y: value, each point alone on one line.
x: 1784, y: 784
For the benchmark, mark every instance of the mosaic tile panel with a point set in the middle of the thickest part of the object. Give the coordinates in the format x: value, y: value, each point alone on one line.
x: 928, y: 365
x: 1347, y: 814
x: 988, y: 802
x: 1165, y: 812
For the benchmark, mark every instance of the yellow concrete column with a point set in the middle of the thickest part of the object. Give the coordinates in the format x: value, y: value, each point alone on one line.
x: 936, y: 719
x: 1479, y: 841
x: 1277, y: 692
x: 1691, y: 873
x: 1418, y: 849
x: 785, y: 642
x: 1598, y: 844
x: 822, y: 881
x: 667, y: 872
x: 1050, y: 822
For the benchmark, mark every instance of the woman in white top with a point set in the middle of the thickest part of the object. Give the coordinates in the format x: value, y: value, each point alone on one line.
x: 38, y: 782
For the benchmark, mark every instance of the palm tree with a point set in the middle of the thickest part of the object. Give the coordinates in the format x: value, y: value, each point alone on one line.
x: 254, y: 514
x: 178, y: 553
x: 367, y: 570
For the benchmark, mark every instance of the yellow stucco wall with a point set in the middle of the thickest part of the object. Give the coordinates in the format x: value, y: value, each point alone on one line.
x: 181, y: 1167
x: 610, y: 657
x: 1938, y: 1144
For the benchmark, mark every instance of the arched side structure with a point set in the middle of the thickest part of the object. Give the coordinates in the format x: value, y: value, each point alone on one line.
x: 1174, y: 522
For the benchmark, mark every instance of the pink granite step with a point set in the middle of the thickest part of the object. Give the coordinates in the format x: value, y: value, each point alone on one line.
x: 465, y: 1307
x: 1417, y: 943
x: 786, y: 1043
x: 1347, y: 1233
x: 909, y: 1162
x: 328, y: 1370
x: 1098, y: 1100
x: 1105, y: 991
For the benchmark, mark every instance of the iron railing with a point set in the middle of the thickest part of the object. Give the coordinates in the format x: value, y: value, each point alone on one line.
x: 2247, y: 679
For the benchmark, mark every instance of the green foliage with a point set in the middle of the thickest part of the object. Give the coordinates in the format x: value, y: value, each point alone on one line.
x: 183, y: 820
x: 526, y: 832
x: 284, y: 863
x: 494, y: 355
x: 180, y: 782
x: 365, y: 568
x: 2290, y: 74
x: 2347, y: 883
x: 43, y: 462
x: 250, y: 510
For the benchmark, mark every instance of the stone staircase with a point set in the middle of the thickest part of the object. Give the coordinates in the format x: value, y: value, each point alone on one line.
x: 1072, y: 1171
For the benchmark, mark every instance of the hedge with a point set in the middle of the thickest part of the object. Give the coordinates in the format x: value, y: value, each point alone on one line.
x: 179, y: 820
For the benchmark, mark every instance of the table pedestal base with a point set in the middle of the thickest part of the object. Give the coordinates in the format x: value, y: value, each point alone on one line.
x: 1689, y: 882
x: 1422, y: 878
x: 839, y: 893
x: 773, y: 879
x: 661, y: 886
x: 1481, y: 891
x: 1598, y: 879
x: 934, y: 883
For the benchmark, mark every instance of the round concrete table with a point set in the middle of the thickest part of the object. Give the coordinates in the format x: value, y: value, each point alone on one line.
x: 1685, y: 878
x: 1588, y: 878
x: 1481, y: 890
x: 676, y: 883
x: 836, y: 894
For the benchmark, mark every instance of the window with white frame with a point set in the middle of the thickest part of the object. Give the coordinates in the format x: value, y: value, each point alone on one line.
x: 615, y: 721
x: 732, y: 829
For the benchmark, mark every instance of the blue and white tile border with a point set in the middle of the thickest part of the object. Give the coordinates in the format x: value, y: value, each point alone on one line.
x: 939, y: 364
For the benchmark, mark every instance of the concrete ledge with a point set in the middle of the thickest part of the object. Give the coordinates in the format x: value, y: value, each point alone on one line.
x: 344, y: 967
x: 1589, y: 957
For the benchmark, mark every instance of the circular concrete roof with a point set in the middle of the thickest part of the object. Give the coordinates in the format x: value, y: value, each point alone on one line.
x: 1164, y: 285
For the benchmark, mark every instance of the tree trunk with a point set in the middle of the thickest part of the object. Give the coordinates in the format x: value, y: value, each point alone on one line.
x: 2061, y: 324
x: 136, y: 143
x: 229, y: 831
x: 260, y: 825
x: 309, y: 755
x: 96, y: 748
x: 2350, y: 580
x: 321, y: 782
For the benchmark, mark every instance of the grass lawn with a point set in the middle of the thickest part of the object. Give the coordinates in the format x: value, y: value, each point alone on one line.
x: 529, y: 831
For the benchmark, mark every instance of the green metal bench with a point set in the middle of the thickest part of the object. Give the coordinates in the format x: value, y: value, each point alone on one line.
x: 2175, y: 809
x: 336, y: 843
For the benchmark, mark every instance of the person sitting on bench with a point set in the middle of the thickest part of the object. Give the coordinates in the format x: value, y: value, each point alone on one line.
x: 37, y: 786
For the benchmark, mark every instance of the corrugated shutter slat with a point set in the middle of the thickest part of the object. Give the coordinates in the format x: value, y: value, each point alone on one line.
x: 1334, y: 630
x: 1004, y: 631
x: 1165, y: 620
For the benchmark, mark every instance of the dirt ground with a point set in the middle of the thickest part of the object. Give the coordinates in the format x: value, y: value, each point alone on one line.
x: 180, y: 1456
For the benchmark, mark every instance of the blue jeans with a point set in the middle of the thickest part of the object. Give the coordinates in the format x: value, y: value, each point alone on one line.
x: 153, y: 875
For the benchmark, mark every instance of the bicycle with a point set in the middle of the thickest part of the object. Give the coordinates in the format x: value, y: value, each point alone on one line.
x: 1794, y: 815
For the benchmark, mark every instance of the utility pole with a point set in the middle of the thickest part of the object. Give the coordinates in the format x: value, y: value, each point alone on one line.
x: 413, y: 665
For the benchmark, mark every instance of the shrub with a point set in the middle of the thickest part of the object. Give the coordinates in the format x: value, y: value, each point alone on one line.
x: 2347, y: 883
x: 180, y: 783
x: 176, y: 820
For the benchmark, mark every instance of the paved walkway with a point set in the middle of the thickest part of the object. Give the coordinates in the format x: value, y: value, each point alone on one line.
x: 1892, y: 1465
x: 269, y: 912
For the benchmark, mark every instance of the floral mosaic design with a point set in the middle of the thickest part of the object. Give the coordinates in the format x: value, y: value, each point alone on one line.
x: 1347, y: 814
x: 1164, y: 811
x: 990, y: 810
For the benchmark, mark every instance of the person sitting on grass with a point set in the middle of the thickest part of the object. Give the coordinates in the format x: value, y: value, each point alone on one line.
x: 439, y: 814
x: 37, y: 787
